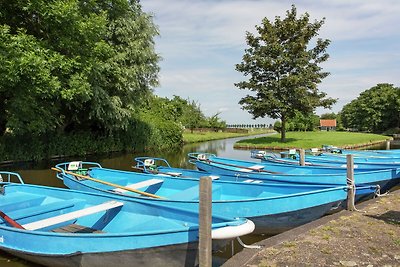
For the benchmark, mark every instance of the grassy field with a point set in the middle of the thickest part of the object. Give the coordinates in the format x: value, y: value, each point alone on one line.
x: 207, y: 136
x: 312, y: 139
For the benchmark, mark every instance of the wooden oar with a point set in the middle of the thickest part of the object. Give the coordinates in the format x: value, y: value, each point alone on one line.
x: 10, y: 221
x: 110, y: 184
x: 237, y: 166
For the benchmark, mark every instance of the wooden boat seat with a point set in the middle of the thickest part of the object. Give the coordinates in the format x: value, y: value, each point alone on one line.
x: 72, y: 215
x: 252, y: 168
x: 138, y: 185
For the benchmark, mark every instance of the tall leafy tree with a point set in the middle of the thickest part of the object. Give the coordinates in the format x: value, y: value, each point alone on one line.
x: 74, y: 65
x: 283, y: 68
x: 375, y: 110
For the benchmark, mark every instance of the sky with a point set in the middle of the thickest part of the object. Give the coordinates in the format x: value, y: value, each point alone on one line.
x: 201, y: 41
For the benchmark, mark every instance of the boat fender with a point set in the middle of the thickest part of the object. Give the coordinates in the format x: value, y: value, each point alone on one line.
x: 229, y: 232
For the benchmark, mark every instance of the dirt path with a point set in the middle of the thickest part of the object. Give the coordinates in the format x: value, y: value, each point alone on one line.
x: 370, y: 238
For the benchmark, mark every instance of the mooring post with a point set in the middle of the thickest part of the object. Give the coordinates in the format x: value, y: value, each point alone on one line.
x: 205, y: 217
x: 387, y: 144
x: 302, y: 157
x: 350, y: 183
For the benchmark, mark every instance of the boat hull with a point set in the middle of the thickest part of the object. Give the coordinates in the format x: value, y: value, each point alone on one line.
x: 304, y: 206
x: 60, y: 227
x: 385, y: 178
x: 173, y: 255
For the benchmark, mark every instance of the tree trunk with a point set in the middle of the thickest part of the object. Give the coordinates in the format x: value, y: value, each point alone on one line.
x: 283, y: 130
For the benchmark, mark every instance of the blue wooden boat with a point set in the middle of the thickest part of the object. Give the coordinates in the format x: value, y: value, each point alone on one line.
x: 316, y: 161
x: 384, y: 178
x: 360, y: 158
x: 60, y: 227
x: 273, y: 208
x: 160, y: 166
x: 378, y: 153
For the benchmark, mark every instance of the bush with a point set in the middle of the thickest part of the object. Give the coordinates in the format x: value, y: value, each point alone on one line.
x: 142, y: 134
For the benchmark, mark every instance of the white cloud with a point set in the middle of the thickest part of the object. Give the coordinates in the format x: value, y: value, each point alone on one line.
x: 201, y: 41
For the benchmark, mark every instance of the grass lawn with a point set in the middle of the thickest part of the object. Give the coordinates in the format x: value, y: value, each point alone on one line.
x: 207, y: 136
x: 312, y: 139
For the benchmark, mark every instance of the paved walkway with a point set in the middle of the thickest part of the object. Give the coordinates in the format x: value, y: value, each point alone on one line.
x: 368, y: 237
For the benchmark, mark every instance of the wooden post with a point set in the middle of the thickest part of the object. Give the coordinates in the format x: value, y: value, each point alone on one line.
x: 302, y: 157
x: 205, y: 219
x: 350, y: 183
x: 387, y: 144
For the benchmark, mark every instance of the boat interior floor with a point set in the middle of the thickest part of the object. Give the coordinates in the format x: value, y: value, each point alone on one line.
x: 76, y: 228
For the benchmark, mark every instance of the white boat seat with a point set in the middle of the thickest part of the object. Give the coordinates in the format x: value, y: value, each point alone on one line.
x: 139, y: 185
x: 175, y: 173
x: 252, y: 168
x: 253, y: 181
x: 72, y: 215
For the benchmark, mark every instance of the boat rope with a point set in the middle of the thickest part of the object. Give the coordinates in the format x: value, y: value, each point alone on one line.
x: 350, y: 185
x: 247, y: 246
x: 378, y: 192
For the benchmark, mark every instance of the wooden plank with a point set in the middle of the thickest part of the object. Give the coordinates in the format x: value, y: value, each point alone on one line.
x: 139, y: 185
x: 72, y: 215
x: 76, y: 228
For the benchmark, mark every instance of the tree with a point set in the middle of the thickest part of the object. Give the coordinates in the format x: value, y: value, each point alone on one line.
x: 375, y: 110
x: 283, y: 71
x: 328, y: 116
x: 74, y: 65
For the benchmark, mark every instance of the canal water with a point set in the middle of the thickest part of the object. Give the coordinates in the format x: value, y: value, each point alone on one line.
x: 40, y: 173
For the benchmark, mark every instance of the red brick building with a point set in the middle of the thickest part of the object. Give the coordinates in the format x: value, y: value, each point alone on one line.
x: 327, y: 125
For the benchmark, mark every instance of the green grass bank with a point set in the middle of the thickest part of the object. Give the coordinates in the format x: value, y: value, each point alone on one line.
x: 196, y: 137
x: 308, y: 140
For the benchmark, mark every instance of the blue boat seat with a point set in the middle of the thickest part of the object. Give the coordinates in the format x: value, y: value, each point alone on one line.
x: 20, y: 202
x: 138, y: 185
x: 190, y: 193
x: 72, y: 215
x: 43, y: 209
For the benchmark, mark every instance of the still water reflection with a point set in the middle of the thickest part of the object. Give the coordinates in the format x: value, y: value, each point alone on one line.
x: 40, y: 173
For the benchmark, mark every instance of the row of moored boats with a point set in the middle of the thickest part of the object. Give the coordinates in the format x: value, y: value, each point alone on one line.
x: 149, y: 216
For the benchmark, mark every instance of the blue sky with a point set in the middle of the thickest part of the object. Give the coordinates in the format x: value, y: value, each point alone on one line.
x: 201, y: 41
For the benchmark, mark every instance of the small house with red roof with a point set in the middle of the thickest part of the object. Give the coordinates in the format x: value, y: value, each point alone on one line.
x: 327, y: 125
